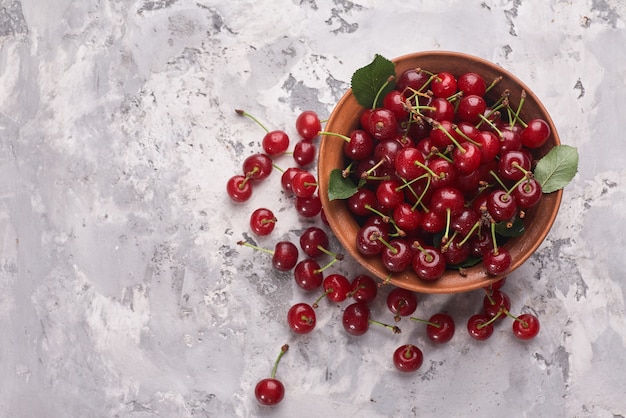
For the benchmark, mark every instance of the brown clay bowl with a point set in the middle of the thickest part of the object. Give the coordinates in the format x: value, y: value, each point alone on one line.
x: 344, y: 119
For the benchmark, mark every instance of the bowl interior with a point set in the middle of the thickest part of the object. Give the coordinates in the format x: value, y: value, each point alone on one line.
x: 344, y: 119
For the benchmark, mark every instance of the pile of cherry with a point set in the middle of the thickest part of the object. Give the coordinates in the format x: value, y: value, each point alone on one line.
x: 439, y: 171
x: 424, y: 167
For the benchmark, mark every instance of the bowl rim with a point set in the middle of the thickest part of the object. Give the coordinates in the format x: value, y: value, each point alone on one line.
x: 454, y: 282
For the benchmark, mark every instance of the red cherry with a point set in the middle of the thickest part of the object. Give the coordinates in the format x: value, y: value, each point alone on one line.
x: 444, y: 85
x: 285, y: 256
x: 262, y: 221
x: 301, y: 318
x: 535, y: 134
x: 526, y: 326
x: 363, y: 288
x: 471, y: 83
x: 314, y: 241
x: 401, y: 302
x: 239, y: 188
x: 275, y: 142
x: 308, y: 207
x: 479, y: 328
x: 257, y: 166
x: 270, y: 391
x: 408, y: 358
x: 304, y: 184
x: 308, y: 274
x: 308, y: 124
x: 497, y: 261
x: 440, y: 328
x: 496, y: 303
x: 304, y: 153
x: 356, y: 318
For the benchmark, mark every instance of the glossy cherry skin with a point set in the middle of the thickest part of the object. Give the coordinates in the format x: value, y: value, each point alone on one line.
x: 308, y: 124
x: 444, y: 85
x: 409, y: 163
x: 304, y: 152
x: 497, y: 262
x: 496, y: 303
x: 285, y: 256
x: 429, y: 264
x: 286, y: 179
x: 477, y: 330
x: 399, y: 257
x: 239, y: 188
x: 262, y: 221
x: 447, y: 199
x: 443, y: 329
x: 467, y: 158
x: 526, y: 326
x: 308, y: 207
x: 313, y: 241
x: 336, y: 287
x: 471, y: 83
x: 363, y: 288
x: 471, y: 108
x: 360, y: 146
x: 308, y: 274
x: 269, y: 391
x: 528, y: 193
x: 408, y: 358
x: 381, y: 124
x: 360, y: 202
x: 367, y: 241
x: 442, y: 110
x: 501, y: 206
x: 411, y: 80
x: 356, y: 318
x: 389, y: 194
x: 275, y: 143
x: 406, y: 217
x: 257, y: 166
x: 394, y: 101
x: 510, y: 163
x: 301, y: 318
x: 535, y: 134
x: 304, y: 184
x: 402, y: 302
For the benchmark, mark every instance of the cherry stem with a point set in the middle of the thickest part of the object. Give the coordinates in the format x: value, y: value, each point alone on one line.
x: 437, y: 125
x: 330, y: 263
x: 344, y: 137
x: 394, y: 328
x: 416, y: 245
x: 244, y: 113
x: 493, y: 238
x: 493, y: 84
x: 469, y: 234
x: 247, y: 244
x: 322, y: 296
x: 491, y: 124
x: 393, y: 249
x: 382, y: 88
x: 283, y: 350
x: 330, y: 253
x: 467, y: 138
x: 424, y: 321
x: 492, y: 320
x: 277, y: 168
x: 519, y: 108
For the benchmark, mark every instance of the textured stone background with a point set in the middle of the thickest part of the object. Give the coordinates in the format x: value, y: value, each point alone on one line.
x: 122, y: 292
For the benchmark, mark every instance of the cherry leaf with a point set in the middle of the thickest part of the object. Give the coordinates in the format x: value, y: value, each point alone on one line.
x: 557, y: 168
x: 510, y: 229
x: 340, y: 187
x: 369, y: 80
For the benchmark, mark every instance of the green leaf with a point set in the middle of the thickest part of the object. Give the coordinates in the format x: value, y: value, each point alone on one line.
x: 469, y: 262
x: 514, y: 230
x: 369, y: 80
x: 557, y: 168
x: 340, y: 187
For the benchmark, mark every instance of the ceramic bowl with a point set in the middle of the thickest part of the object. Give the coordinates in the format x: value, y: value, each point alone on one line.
x: 344, y: 119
